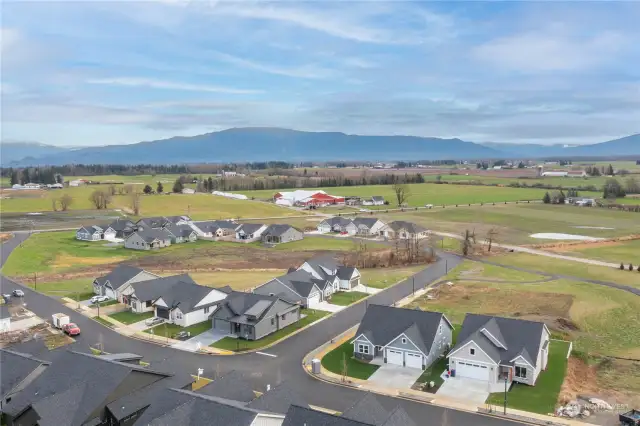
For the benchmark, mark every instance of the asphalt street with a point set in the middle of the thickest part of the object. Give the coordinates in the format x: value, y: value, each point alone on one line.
x: 284, y: 360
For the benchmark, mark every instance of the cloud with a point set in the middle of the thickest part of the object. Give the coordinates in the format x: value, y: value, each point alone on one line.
x: 306, y: 71
x: 168, y: 85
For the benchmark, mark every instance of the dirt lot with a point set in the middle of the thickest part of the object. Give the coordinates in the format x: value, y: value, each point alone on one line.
x: 4, y: 236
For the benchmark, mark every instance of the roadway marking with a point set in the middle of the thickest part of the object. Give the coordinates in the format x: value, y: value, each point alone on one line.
x: 266, y: 354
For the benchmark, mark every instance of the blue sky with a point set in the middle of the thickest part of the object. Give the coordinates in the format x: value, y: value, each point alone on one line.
x: 95, y: 73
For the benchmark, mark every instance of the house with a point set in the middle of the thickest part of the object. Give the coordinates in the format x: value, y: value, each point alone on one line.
x: 78, y: 182
x: 178, y: 220
x: 407, y: 337
x: 338, y: 224
x: 250, y: 231
x: 5, y: 318
x: 215, y: 228
x: 177, y: 299
x: 148, y: 239
x: 277, y: 234
x: 306, y: 198
x: 370, y: 226
x: 327, y: 268
x: 18, y: 370
x: 278, y: 399
x: 496, y: 349
x: 90, y: 233
x: 403, y: 230
x: 253, y: 316
x: 114, y: 284
x: 232, y: 385
x: 75, y: 390
x: 376, y: 200
x: 299, y: 287
x: 157, y: 222
x: 181, y: 233
x: 119, y: 228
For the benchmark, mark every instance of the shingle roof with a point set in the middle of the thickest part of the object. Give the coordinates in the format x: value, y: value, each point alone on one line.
x: 152, y: 289
x: 121, y: 224
x: 368, y: 409
x: 4, y: 311
x: 521, y: 337
x: 382, y: 324
x: 179, y: 230
x: 278, y: 400
x: 122, y: 357
x: 249, y: 228
x: 337, y: 221
x: 176, y: 219
x: 399, y: 417
x: 238, y: 303
x: 93, y: 228
x: 153, y: 222
x: 15, y: 367
x: 213, y: 225
x: 377, y: 198
x: 322, y: 263
x: 300, y: 281
x: 366, y: 221
x: 299, y: 416
x: 232, y: 385
x: 151, y: 234
x: 276, y: 229
x: 411, y: 227
x: 119, y: 276
x: 345, y: 272
x: 176, y: 291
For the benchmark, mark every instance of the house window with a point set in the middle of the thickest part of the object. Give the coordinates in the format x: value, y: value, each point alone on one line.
x: 521, y: 372
x: 363, y: 349
x: 179, y: 315
x: 206, y: 310
x: 148, y: 304
x: 273, y: 321
x: 472, y: 351
x: 404, y: 341
x: 440, y: 329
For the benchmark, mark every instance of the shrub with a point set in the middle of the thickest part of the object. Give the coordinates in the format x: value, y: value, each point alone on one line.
x: 621, y: 266
x: 631, y: 267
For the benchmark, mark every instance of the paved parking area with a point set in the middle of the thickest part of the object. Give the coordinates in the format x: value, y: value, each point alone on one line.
x: 395, y: 376
x: 470, y: 390
x: 325, y: 306
x: 201, y: 340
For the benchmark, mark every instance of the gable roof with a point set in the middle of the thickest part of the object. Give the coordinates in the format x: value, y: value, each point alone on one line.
x: 399, y: 417
x: 366, y: 221
x: 238, y: 303
x: 249, y: 228
x: 345, y: 272
x: 232, y: 386
x: 179, y: 230
x: 92, y: 229
x: 277, y: 229
x: 367, y: 409
x: 337, y: 221
x: 177, y: 291
x: 382, y: 324
x: 214, y: 225
x: 16, y: 367
x: 151, y: 234
x: 121, y: 225
x: 520, y: 337
x: 300, y: 281
x: 377, y: 198
x: 278, y: 400
x: 155, y: 288
x: 176, y: 219
x: 410, y: 227
x: 153, y: 222
x: 119, y: 276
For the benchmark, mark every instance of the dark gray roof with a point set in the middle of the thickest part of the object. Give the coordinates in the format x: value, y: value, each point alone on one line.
x: 176, y: 219
x: 345, y: 272
x: 249, y: 228
x: 409, y: 226
x: 226, y: 289
x: 521, y: 337
x: 232, y: 385
x: 300, y: 281
x: 122, y: 357
x: 278, y: 400
x: 213, y: 225
x: 121, y: 225
x: 327, y: 261
x: 238, y: 303
x: 149, y: 235
x: 15, y: 367
x: 179, y: 230
x: 381, y: 324
x: 119, y: 276
x: 366, y: 221
x: 153, y: 222
x: 303, y: 416
x: 152, y: 289
x: 186, y: 295
x: 399, y: 417
x: 276, y: 229
x: 377, y: 198
x: 93, y: 228
x: 368, y: 409
x: 4, y: 311
x: 337, y: 221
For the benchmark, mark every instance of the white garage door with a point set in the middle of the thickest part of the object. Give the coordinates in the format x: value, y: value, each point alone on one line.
x: 394, y: 357
x: 472, y: 371
x: 414, y: 360
x: 314, y: 299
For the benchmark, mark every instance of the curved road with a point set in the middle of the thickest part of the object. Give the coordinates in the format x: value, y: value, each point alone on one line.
x: 261, y: 369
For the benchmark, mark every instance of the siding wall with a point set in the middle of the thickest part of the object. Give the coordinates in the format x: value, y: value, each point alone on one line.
x: 264, y: 327
x: 440, y: 343
x: 359, y: 355
x: 276, y: 288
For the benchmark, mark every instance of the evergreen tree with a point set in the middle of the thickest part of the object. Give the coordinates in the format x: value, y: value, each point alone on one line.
x: 547, y: 198
x: 26, y: 177
x: 159, y: 188
x: 178, y: 186
x: 14, y: 177
x: 147, y: 189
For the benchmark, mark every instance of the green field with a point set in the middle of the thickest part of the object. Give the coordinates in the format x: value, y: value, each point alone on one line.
x: 385, y: 277
x: 170, y: 330
x: 345, y: 298
x: 325, y: 243
x: 422, y: 194
x: 563, y: 182
x: 128, y: 317
x: 626, y: 252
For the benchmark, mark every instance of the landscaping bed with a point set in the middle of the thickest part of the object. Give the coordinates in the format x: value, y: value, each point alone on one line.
x: 129, y: 317
x: 341, y: 357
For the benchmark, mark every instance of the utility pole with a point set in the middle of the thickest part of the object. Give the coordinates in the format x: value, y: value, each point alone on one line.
x: 505, y: 393
x: 98, y: 309
x: 413, y: 283
x: 35, y: 281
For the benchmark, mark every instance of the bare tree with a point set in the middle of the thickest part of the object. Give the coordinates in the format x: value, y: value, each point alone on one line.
x: 402, y: 192
x: 135, y: 203
x: 65, y: 202
x: 112, y: 189
x: 468, y: 242
x: 100, y: 199
x: 492, y: 234
x: 54, y: 204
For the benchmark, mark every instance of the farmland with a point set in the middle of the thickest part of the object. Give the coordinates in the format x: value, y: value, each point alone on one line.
x: 615, y: 252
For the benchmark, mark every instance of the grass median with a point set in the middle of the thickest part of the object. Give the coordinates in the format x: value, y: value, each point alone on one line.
x: 341, y: 359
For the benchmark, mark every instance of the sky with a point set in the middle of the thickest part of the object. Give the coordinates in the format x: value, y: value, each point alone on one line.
x: 88, y: 73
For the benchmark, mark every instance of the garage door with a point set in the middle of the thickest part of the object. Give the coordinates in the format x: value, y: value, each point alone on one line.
x: 472, y: 371
x: 163, y: 312
x: 222, y: 325
x: 394, y: 357
x: 314, y: 299
x: 414, y: 360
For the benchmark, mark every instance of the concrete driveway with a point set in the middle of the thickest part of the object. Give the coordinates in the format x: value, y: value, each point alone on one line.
x: 476, y: 391
x: 395, y: 376
x: 325, y: 306
x: 201, y: 340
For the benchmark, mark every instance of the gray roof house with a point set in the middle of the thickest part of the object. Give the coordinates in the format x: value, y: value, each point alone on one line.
x: 493, y: 349
x: 248, y: 232
x: 141, y: 295
x: 115, y: 283
x: 231, y: 385
x: 253, y: 316
x: 75, y: 390
x: 215, y: 228
x: 120, y: 228
x: 407, y: 337
x: 178, y: 220
x: 278, y: 400
x: 325, y: 267
x: 337, y: 224
x: 278, y: 233
x: 152, y: 222
x: 148, y: 239
x: 181, y: 233
x: 365, y: 226
x: 18, y: 370
x: 90, y: 233
x: 406, y: 230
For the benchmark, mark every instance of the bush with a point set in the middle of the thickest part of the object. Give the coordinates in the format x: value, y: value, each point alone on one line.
x: 621, y: 266
x: 631, y: 267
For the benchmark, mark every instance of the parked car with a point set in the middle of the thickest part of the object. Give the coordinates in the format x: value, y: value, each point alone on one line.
x: 364, y: 210
x: 153, y: 321
x: 98, y: 299
x: 429, y: 206
x: 71, y: 329
x: 7, y: 297
x: 630, y: 418
x: 18, y: 293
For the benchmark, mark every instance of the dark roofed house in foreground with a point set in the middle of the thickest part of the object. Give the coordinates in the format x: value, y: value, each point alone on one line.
x: 406, y: 337
x: 18, y: 370
x: 494, y: 348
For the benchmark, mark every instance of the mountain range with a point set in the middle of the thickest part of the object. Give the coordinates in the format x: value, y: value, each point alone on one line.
x: 266, y: 144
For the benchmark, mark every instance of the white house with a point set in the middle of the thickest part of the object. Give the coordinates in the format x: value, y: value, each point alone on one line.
x: 373, y: 201
x: 249, y: 232
x: 115, y: 284
x: 90, y: 233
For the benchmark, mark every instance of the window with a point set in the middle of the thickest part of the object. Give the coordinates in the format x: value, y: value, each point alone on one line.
x: 440, y: 329
x: 179, y: 315
x: 404, y: 341
x: 472, y: 351
x: 148, y: 304
x: 521, y: 372
x: 363, y: 349
x: 206, y: 310
x: 273, y: 321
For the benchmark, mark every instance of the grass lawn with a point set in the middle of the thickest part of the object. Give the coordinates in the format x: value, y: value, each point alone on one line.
x: 345, y: 298
x: 542, y: 397
x: 385, y: 277
x: 128, y: 317
x: 324, y: 243
x: 170, y: 330
x: 76, y: 289
x: 103, y: 322
x: 238, y: 280
x: 235, y: 345
x: 334, y: 361
x: 627, y: 252
x: 474, y: 270
x: 433, y: 373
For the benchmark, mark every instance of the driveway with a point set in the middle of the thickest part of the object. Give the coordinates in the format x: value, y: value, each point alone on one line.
x: 476, y: 391
x: 366, y: 289
x: 325, y: 306
x: 138, y: 326
x: 201, y: 340
x: 395, y: 376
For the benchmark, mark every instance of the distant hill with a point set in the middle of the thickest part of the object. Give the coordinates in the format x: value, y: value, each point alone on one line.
x: 11, y: 151
x: 266, y: 143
